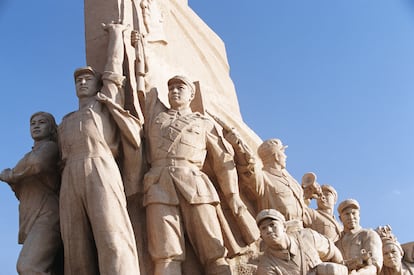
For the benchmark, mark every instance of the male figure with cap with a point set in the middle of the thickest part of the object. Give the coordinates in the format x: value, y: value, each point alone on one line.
x: 179, y: 198
x: 361, y: 248
x: 322, y: 219
x: 300, y: 251
x: 272, y: 185
x: 96, y: 230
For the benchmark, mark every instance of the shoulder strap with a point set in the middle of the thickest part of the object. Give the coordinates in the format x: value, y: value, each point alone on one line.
x: 178, y: 126
x: 302, y: 253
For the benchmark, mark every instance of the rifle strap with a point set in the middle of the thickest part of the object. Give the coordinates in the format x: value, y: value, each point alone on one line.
x: 303, y: 270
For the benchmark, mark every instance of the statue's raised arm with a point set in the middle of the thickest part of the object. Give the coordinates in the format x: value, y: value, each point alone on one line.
x: 93, y: 141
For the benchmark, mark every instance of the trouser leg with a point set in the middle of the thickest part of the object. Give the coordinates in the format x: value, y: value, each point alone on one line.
x: 112, y: 229
x: 165, y: 238
x: 39, y: 251
x: 204, y: 232
x: 80, y: 256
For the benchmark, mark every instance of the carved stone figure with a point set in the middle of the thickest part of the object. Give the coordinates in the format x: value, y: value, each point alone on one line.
x: 361, y: 248
x: 273, y: 186
x: 36, y: 181
x: 96, y: 230
x: 322, y: 219
x: 295, y: 252
x: 176, y: 41
x: 393, y: 253
x: 408, y: 251
x: 153, y: 20
x: 180, y: 199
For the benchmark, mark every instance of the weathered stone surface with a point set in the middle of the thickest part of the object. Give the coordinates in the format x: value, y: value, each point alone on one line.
x: 189, y: 48
x: 207, y: 175
x: 35, y: 181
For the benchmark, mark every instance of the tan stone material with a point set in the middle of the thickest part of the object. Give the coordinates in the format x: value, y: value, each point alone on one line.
x: 322, y: 219
x: 297, y: 252
x: 183, y: 34
x: 160, y: 175
x: 179, y: 197
x: 394, y: 263
x: 36, y: 180
x: 96, y: 230
x: 272, y: 185
x: 361, y: 248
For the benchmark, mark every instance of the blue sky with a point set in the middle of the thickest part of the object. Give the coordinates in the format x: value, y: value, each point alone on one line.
x: 332, y: 79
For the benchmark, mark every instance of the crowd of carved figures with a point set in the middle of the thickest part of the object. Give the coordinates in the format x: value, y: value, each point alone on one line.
x: 213, y: 205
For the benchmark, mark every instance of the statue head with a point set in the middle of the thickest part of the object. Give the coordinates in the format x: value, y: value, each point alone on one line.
x: 349, y: 214
x: 272, y: 150
x: 43, y: 126
x: 87, y: 82
x: 328, y: 199
x: 181, y: 92
x: 391, y: 249
x: 392, y: 253
x: 272, y: 226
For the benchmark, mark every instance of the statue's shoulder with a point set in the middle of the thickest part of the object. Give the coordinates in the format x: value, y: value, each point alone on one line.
x: 198, y: 115
x: 68, y: 116
x: 207, y: 122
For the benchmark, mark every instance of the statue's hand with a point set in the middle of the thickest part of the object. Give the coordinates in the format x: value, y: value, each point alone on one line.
x: 236, y: 204
x: 308, y: 193
x: 5, y: 175
x: 233, y: 137
x: 115, y: 26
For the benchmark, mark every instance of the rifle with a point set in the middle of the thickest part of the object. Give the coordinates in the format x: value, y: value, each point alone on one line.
x: 242, y: 147
x: 357, y: 262
x: 137, y: 67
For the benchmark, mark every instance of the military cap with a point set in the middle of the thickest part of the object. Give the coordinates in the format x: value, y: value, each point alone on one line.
x: 269, y: 214
x: 181, y: 79
x: 85, y: 70
x: 329, y: 188
x: 348, y: 203
x: 269, y: 147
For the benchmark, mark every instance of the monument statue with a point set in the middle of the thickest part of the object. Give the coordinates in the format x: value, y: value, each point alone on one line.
x: 322, y: 219
x: 156, y: 172
x: 273, y: 186
x: 408, y: 251
x: 179, y: 197
x: 96, y: 229
x: 361, y: 248
x: 35, y: 181
x: 300, y: 251
x: 393, y: 253
x: 170, y: 30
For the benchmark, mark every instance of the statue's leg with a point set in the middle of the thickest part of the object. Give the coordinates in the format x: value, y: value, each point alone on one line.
x: 41, y: 246
x: 165, y: 238
x: 204, y: 232
x: 109, y: 219
x: 80, y: 257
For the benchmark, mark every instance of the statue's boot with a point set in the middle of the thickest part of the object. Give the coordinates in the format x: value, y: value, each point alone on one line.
x: 218, y: 267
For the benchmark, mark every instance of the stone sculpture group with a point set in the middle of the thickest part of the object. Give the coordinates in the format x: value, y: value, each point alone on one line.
x: 130, y: 185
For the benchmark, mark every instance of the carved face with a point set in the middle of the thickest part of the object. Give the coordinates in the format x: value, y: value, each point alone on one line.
x: 86, y: 85
x: 179, y: 95
x: 327, y: 202
x: 40, y: 127
x: 281, y: 158
x: 392, y: 256
x: 350, y: 218
x: 273, y: 233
